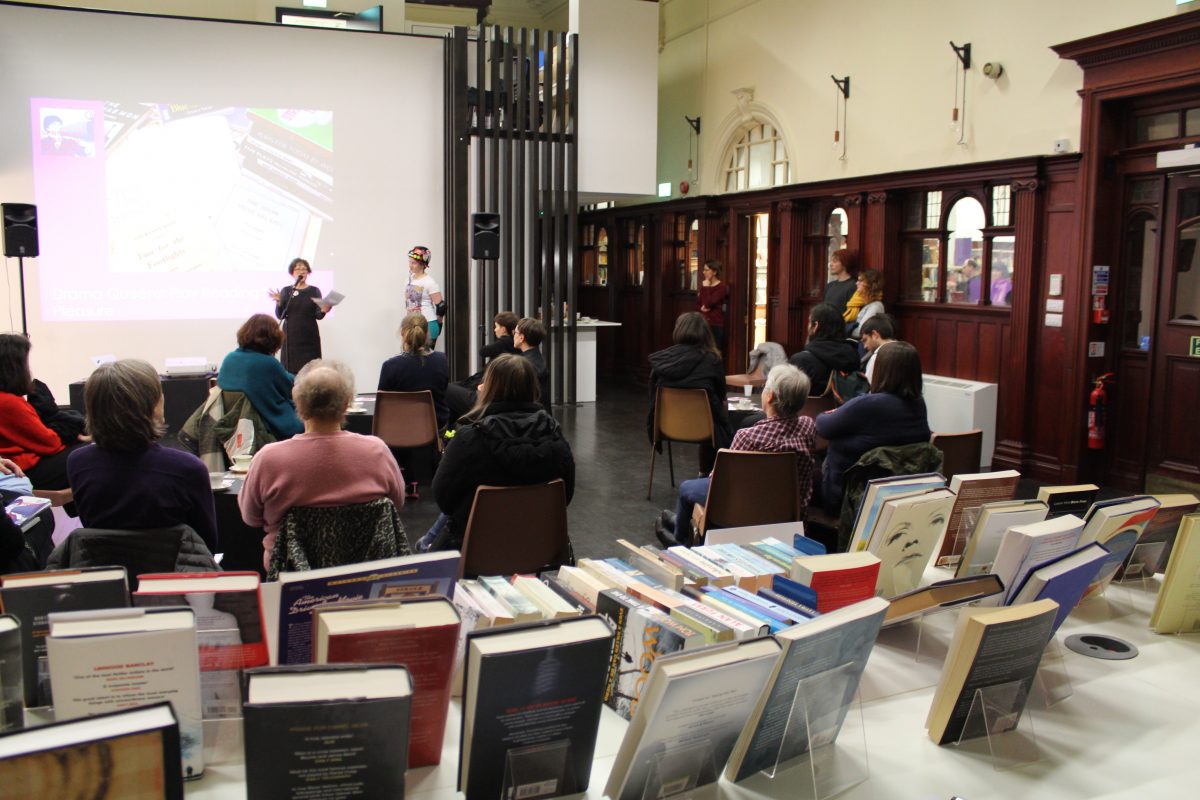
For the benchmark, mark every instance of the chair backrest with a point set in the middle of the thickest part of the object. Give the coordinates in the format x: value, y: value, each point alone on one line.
x: 516, y: 529
x: 961, y: 452
x: 749, y: 488
x: 682, y: 415
x: 138, y: 551
x: 314, y: 538
x: 406, y: 419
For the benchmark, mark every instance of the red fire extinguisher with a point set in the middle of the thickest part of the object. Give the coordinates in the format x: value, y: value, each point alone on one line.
x: 1096, y: 412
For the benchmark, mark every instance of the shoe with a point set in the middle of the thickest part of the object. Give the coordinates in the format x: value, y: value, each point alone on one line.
x: 665, y: 538
x: 667, y: 517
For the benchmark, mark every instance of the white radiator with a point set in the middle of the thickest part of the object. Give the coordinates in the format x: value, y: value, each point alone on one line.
x: 957, y: 405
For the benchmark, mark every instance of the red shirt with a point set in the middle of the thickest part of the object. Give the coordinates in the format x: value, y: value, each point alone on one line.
x: 778, y: 435
x: 714, y: 297
x: 23, y: 437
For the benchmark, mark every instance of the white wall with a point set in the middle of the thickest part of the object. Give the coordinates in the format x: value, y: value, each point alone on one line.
x: 902, y: 73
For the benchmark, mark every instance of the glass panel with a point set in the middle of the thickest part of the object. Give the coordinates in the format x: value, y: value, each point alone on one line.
x: 1191, y: 122
x: 589, y: 267
x: 760, y: 165
x: 920, y: 278
x: 913, y: 208
x: 1144, y: 192
x: 781, y: 176
x: 933, y: 209
x: 1002, y: 258
x: 693, y: 254
x: 837, y: 225
x: 761, y: 227
x: 1187, y: 273
x: 964, y: 279
x: 637, y: 259
x: 602, y: 258
x: 1153, y: 127
x: 1137, y: 268
x: 1001, y: 206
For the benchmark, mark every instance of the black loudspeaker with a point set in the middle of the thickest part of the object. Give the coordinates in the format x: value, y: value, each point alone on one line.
x: 485, y: 237
x: 20, y: 230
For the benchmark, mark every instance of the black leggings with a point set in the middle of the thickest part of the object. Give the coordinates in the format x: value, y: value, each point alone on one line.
x: 50, y: 472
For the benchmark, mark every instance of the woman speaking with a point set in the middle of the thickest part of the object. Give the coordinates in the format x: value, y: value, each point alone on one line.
x: 297, y: 307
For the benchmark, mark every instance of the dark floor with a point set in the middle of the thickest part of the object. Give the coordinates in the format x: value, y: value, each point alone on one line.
x: 612, y: 464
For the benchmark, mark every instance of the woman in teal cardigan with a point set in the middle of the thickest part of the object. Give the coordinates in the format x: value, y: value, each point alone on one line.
x: 253, y: 370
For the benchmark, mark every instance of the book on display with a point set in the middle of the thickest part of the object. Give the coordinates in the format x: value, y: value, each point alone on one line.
x: 1064, y: 580
x: 1153, y: 549
x: 880, y: 490
x: 972, y: 491
x: 1177, y: 609
x: 12, y: 679
x: 1024, y: 548
x: 839, y: 579
x: 1075, y: 499
x: 522, y: 609
x: 326, y: 731
x: 906, y: 536
x: 940, y: 596
x: 646, y: 635
x: 548, y: 602
x: 984, y: 540
x: 471, y: 618
x: 1118, y: 525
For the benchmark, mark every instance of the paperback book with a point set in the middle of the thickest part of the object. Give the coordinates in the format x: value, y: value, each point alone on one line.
x: 973, y: 491
x: 1024, y: 548
x: 24, y: 510
x: 941, y: 596
x: 1153, y: 549
x: 839, y: 579
x: 984, y: 540
x: 1177, y: 609
x: 1063, y: 580
x: 906, y: 536
x: 1118, y: 525
x: 1075, y: 499
x: 12, y: 694
x: 878, y: 491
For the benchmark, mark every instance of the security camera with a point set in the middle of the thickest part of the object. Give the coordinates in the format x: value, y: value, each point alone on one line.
x: 993, y: 69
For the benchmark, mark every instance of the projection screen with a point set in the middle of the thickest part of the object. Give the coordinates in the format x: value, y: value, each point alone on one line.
x: 178, y: 166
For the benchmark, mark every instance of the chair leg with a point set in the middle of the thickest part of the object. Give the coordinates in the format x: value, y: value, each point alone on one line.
x: 671, y: 463
x: 650, y: 485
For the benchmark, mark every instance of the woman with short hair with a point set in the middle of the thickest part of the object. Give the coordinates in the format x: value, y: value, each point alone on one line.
x: 253, y: 370
x: 418, y: 367
x: 126, y: 480
x: 299, y: 306
x: 892, y: 414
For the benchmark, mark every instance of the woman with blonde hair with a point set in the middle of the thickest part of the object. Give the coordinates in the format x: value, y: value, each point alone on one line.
x: 418, y: 367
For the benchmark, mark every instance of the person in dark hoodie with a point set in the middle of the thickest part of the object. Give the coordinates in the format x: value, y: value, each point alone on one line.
x: 693, y: 362
x: 828, y: 349
x: 506, y: 439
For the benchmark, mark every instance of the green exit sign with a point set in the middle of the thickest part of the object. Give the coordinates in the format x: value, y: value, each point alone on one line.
x: 1194, y: 347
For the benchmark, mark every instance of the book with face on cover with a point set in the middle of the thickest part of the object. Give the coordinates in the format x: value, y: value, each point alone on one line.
x: 1177, y: 609
x: 879, y: 490
x: 906, y: 537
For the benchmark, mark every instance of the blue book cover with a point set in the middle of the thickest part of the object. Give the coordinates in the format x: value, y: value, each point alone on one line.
x: 878, y: 491
x: 787, y: 602
x: 754, y: 611
x: 1063, y: 580
x: 807, y: 546
x: 782, y: 613
x: 794, y: 590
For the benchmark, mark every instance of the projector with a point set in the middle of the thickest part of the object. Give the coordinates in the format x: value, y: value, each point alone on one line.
x: 187, y: 366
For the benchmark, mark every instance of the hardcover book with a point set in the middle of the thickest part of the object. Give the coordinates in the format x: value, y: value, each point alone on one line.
x: 1118, y: 525
x: 839, y: 579
x: 1024, y: 548
x: 694, y: 707
x: 828, y: 653
x: 1063, y: 580
x: 326, y: 731
x: 972, y: 491
x: 1153, y: 550
x: 940, y: 596
x: 229, y: 628
x: 991, y: 647
x: 288, y: 604
x: 906, y: 536
x: 31, y: 596
x: 1075, y: 499
x: 121, y: 658
x: 994, y: 520
x: 132, y: 755
x: 1177, y: 609
x: 420, y: 634
x: 531, y: 708
x: 12, y: 695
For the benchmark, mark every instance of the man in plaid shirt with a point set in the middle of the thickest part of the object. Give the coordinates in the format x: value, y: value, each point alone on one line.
x: 784, y: 429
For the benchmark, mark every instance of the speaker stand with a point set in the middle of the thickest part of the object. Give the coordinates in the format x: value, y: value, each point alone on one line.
x: 21, y: 270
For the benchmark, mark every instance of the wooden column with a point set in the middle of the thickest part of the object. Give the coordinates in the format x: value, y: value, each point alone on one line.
x: 786, y: 275
x: 878, y: 236
x: 853, y: 204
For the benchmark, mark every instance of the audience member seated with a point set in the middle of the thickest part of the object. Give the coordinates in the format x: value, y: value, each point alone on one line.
x: 866, y: 302
x: 504, y: 325
x: 325, y: 465
x: 418, y: 368
x: 38, y: 450
x: 892, y: 414
x: 126, y: 480
x: 15, y: 554
x: 874, y: 334
x: 828, y: 350
x: 693, y: 362
x: 528, y: 338
x: 506, y: 439
x: 254, y: 371
x: 784, y: 429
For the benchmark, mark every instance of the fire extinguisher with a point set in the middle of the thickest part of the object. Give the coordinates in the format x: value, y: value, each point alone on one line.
x: 1096, y: 412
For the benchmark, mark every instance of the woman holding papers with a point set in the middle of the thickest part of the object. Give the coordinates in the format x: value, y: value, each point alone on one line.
x: 299, y: 308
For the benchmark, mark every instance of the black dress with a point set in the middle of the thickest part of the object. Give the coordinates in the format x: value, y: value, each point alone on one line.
x: 301, y: 337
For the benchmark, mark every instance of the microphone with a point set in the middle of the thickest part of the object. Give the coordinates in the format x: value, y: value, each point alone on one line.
x: 297, y: 283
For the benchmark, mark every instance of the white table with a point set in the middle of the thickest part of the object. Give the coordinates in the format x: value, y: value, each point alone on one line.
x: 585, y: 358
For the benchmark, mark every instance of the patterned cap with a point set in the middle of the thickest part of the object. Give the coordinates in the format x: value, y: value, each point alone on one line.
x: 420, y: 253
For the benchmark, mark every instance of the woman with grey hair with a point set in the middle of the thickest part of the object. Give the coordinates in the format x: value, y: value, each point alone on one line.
x: 324, y: 466
x: 126, y: 480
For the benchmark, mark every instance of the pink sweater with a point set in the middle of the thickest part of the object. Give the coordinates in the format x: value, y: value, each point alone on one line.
x: 316, y: 469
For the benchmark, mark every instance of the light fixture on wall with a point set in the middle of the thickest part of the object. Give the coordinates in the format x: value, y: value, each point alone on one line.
x: 839, y: 113
x: 962, y: 63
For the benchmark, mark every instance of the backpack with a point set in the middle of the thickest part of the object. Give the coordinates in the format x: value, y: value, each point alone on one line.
x: 847, y: 385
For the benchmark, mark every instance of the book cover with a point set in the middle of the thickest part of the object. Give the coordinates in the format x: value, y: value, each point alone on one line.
x: 829, y: 654
x: 972, y: 491
x: 531, y: 708
x: 496, y: 612
x: 839, y: 579
x: 807, y: 546
x: 795, y: 591
x: 1026, y: 547
x: 229, y: 628
x: 582, y: 583
x: 326, y: 731
x: 714, y: 597
x: 1117, y: 525
x: 783, y: 613
x: 1153, y: 549
x: 740, y: 627
x: 696, y: 704
x: 574, y: 598
x: 547, y: 600
x: 1075, y: 499
x: 984, y: 541
x: 906, y: 537
x: 24, y: 510
x: 713, y: 631
x: 991, y: 647
x: 122, y: 658
x: 616, y: 606
x: 298, y: 593
x: 751, y: 560
x: 807, y: 612
x: 940, y: 596
x: 1063, y: 580
x: 648, y: 635
x: 1177, y: 609
x: 12, y: 693
x: 650, y: 564
x: 131, y: 755
x: 522, y: 609
x: 31, y: 596
x: 879, y: 490
x: 421, y: 634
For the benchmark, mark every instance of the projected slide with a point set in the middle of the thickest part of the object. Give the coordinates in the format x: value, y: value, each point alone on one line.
x: 169, y: 211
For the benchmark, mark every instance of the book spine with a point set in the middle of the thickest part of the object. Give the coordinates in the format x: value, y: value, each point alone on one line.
x: 787, y: 602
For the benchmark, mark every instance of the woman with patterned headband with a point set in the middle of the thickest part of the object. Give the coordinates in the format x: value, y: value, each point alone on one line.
x: 422, y: 295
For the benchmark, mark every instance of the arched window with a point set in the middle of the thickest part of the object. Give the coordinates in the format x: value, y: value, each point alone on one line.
x: 756, y: 158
